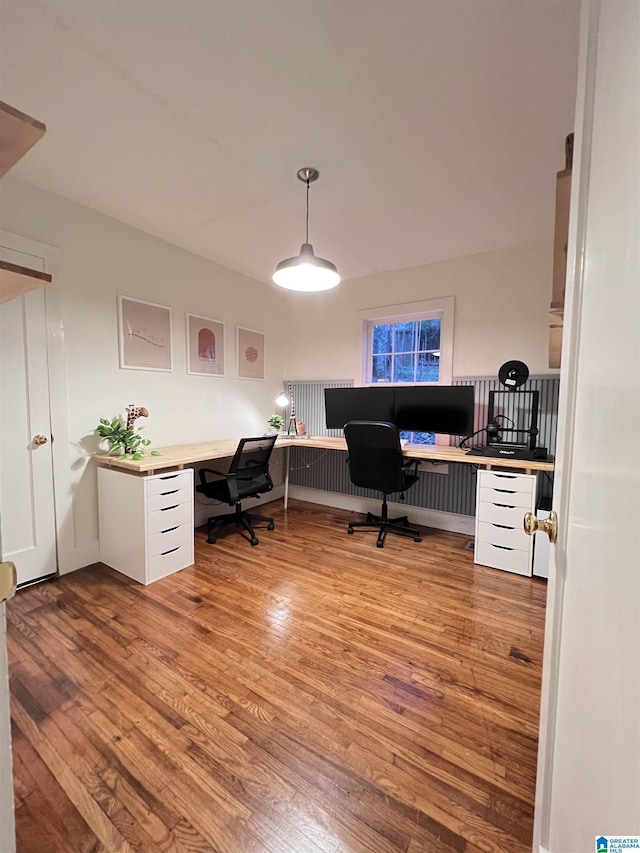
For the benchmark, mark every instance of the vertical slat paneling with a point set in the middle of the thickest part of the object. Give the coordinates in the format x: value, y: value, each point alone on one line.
x: 453, y: 492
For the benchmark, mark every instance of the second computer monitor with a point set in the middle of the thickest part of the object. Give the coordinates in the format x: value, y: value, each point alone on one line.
x: 445, y: 409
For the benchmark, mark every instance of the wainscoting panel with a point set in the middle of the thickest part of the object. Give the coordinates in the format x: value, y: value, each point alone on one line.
x: 453, y: 492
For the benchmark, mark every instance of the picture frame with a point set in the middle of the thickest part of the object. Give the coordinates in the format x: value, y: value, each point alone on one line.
x: 144, y: 335
x: 250, y: 353
x: 205, y: 346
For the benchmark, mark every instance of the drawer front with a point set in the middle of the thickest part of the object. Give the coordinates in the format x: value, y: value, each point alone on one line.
x: 165, y: 564
x: 509, y: 516
x: 162, y: 483
x: 509, y: 537
x: 160, y: 543
x: 515, y: 482
x: 509, y: 560
x: 506, y: 497
x: 172, y: 497
x: 172, y: 516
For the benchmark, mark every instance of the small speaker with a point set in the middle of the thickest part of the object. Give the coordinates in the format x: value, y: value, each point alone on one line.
x: 513, y: 374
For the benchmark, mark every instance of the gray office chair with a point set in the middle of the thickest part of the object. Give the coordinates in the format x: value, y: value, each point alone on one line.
x: 376, y: 462
x: 248, y: 477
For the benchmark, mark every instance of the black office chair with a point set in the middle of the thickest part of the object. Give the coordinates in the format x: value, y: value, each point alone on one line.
x: 248, y: 477
x: 376, y: 462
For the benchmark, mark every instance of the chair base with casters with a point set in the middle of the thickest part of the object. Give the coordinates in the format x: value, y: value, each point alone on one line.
x: 242, y: 519
x: 385, y: 525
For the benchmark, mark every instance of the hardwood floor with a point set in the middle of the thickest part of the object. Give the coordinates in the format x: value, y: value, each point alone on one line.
x: 314, y: 693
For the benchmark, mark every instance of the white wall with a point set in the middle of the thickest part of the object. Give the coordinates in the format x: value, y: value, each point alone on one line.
x: 501, y: 304
x: 99, y: 258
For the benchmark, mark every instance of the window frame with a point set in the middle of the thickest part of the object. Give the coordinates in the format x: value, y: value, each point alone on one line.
x: 430, y: 309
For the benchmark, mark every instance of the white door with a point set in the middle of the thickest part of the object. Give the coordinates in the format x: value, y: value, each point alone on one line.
x: 589, y: 758
x: 27, y: 517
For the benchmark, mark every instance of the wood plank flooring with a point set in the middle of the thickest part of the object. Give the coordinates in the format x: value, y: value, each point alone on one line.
x: 314, y: 693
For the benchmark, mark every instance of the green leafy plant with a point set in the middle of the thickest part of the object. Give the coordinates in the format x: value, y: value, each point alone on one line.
x: 276, y: 421
x: 119, y: 438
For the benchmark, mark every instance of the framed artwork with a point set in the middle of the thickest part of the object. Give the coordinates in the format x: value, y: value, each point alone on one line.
x: 250, y: 353
x: 144, y: 335
x: 205, y: 346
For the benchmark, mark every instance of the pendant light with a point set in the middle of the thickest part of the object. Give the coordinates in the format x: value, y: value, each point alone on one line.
x: 306, y: 272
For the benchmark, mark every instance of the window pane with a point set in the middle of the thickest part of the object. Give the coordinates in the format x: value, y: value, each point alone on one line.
x: 404, y: 335
x: 428, y: 367
x: 418, y: 437
x: 429, y: 335
x: 404, y: 368
x: 381, y: 369
x: 382, y: 338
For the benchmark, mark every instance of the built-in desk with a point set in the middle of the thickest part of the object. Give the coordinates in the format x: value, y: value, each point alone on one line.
x: 176, y: 457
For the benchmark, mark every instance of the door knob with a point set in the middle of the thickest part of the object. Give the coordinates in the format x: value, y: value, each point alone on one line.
x: 8, y: 581
x: 547, y: 525
x: 40, y: 439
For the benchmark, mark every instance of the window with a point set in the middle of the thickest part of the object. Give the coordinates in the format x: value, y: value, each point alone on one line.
x: 405, y: 351
x: 409, y: 344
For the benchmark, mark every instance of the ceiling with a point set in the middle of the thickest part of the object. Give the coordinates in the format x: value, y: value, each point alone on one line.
x: 437, y: 125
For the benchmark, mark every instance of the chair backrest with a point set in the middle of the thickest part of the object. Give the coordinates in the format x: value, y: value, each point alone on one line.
x: 375, y: 455
x: 250, y: 463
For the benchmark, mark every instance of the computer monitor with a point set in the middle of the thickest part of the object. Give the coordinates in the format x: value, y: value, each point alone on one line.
x: 446, y: 409
x: 357, y: 404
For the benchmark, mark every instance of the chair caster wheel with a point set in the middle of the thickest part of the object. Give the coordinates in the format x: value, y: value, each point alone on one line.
x: 417, y: 538
x: 349, y: 529
x: 211, y: 540
x: 379, y: 544
x: 254, y: 541
x: 271, y: 526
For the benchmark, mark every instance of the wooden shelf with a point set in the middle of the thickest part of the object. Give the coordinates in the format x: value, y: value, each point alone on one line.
x: 15, y: 280
x: 18, y: 134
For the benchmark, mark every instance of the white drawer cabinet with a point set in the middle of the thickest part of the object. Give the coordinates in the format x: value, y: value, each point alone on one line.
x: 501, y: 503
x: 146, y: 522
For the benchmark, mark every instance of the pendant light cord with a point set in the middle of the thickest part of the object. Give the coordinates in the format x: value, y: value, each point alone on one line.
x: 307, y: 234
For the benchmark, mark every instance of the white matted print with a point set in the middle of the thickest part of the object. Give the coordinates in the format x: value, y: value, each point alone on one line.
x: 250, y: 353
x: 205, y: 346
x: 144, y: 335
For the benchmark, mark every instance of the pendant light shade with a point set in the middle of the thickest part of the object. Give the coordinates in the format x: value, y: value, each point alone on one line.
x: 306, y: 272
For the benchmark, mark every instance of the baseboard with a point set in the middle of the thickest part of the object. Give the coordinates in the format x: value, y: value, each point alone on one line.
x: 417, y: 515
x: 79, y: 557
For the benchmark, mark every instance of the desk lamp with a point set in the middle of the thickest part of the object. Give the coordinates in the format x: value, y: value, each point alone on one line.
x: 284, y: 400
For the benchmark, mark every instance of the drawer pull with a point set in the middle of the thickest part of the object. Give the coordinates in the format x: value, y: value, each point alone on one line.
x: 503, y: 526
x: 506, y: 476
x: 506, y: 491
x: 169, y: 477
x: 170, y: 551
x: 506, y: 506
x: 169, y: 529
x: 165, y: 508
x: 172, y: 492
x: 502, y: 547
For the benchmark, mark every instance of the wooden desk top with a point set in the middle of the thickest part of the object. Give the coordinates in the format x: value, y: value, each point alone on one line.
x: 179, y: 455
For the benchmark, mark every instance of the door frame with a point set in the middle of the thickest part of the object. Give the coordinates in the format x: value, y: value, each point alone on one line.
x: 67, y: 557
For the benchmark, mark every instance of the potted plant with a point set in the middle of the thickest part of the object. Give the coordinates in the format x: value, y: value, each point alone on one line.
x: 276, y: 422
x: 125, y: 440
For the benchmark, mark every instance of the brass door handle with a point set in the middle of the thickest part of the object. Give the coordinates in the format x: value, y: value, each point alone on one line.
x: 547, y: 525
x: 39, y: 439
x: 8, y: 580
